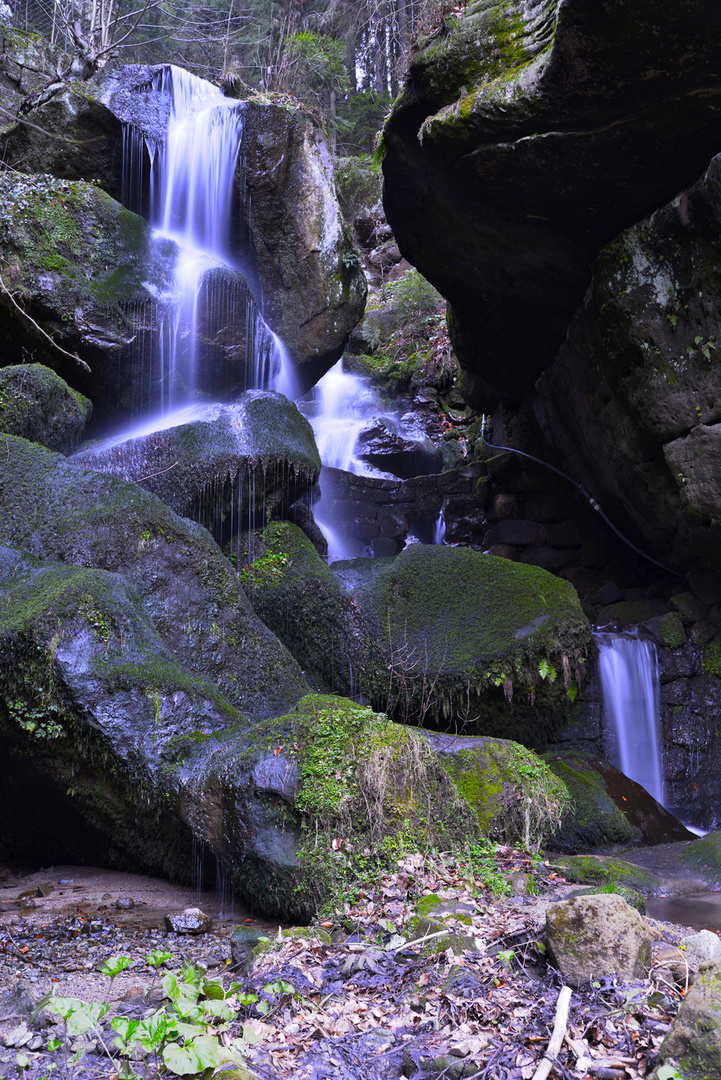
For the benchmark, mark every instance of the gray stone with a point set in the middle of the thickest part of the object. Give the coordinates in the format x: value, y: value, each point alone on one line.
x: 190, y: 921
x: 592, y: 936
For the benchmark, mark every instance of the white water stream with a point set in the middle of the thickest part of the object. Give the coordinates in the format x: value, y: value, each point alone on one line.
x: 628, y: 668
x: 192, y: 182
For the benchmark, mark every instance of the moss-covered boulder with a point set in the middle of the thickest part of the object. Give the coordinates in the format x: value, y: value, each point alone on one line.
x: 633, y: 397
x: 528, y: 134
x: 436, y: 634
x: 610, y: 872
x: 452, y: 634
x: 89, y: 696
x: 592, y: 936
x: 692, y: 1048
x: 607, y: 807
x: 514, y: 795
x: 298, y: 597
x: 223, y: 464
x: 353, y: 790
x: 704, y: 856
x: 38, y: 405
x: 73, y: 265
x: 29, y: 62
x: 58, y: 510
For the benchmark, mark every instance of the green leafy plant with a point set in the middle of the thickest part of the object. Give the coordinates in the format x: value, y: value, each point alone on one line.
x: 181, y: 1037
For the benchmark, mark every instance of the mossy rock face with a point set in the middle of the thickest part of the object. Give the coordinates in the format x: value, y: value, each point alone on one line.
x: 632, y: 896
x: 224, y: 464
x: 73, y: 136
x: 704, y: 854
x: 29, y: 59
x: 89, y: 698
x: 38, y: 405
x: 297, y: 596
x: 312, y: 284
x: 76, y: 262
x: 357, y: 791
x: 453, y: 634
x: 514, y: 795
x: 526, y: 135
x: 599, y: 870
x: 608, y: 808
x: 692, y: 1048
x: 58, y: 510
x: 633, y: 398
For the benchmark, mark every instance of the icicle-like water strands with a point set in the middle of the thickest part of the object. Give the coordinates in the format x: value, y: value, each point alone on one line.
x: 209, y: 332
x: 629, y: 679
x: 439, y: 529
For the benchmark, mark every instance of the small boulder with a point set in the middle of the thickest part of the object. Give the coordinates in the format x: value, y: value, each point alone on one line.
x: 591, y: 936
x: 693, y: 1045
x: 38, y: 405
x: 190, y: 921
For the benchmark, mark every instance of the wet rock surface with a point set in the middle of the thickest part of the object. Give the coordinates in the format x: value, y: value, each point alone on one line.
x: 38, y: 405
x: 245, y: 461
x: 521, y: 144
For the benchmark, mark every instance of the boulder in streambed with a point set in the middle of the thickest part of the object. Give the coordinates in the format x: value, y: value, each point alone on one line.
x: 528, y: 134
x: 456, y: 635
x: 241, y: 462
x: 607, y: 807
x: 692, y: 1048
x: 60, y: 511
x: 38, y: 405
x: 436, y: 634
x: 592, y: 936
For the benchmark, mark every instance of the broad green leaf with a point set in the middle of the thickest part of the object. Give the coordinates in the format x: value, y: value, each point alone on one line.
x: 114, y: 965
x: 194, y: 1057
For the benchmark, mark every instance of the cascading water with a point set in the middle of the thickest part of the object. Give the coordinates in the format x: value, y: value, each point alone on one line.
x: 340, y: 408
x: 191, y: 198
x: 628, y: 668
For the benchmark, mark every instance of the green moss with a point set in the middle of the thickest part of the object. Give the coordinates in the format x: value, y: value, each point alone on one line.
x: 704, y: 855
x: 594, y: 818
x: 368, y: 791
x: 711, y: 658
x: 599, y: 870
x: 514, y: 795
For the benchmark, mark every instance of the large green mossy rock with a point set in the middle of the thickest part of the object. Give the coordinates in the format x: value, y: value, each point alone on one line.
x: 89, y: 695
x: 452, y: 634
x: 295, y: 593
x: 241, y: 462
x: 436, y: 634
x: 633, y: 398
x: 58, y: 510
x: 704, y: 855
x: 513, y: 793
x: 528, y: 134
x: 610, y: 873
x: 75, y: 263
x: 607, y: 807
x: 38, y: 405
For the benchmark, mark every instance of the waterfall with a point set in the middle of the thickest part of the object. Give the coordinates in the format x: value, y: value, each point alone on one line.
x: 628, y: 668
x: 192, y: 184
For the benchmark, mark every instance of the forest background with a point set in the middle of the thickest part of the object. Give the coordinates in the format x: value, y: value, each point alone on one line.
x: 345, y: 58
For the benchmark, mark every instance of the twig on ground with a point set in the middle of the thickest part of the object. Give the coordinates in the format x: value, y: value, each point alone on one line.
x: 556, y: 1040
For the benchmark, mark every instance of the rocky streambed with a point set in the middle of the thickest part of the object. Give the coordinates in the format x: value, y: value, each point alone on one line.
x: 424, y: 972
